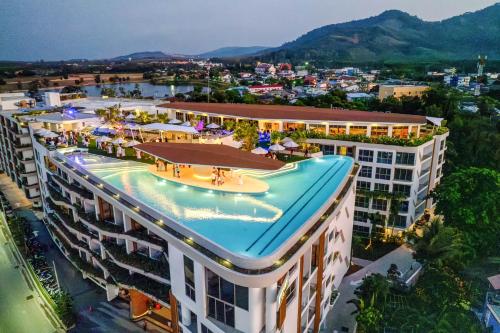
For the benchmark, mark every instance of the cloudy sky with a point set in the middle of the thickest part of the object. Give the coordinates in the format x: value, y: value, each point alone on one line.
x: 65, y: 29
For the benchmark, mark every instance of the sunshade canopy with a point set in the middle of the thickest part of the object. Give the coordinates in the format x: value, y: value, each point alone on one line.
x: 209, y: 155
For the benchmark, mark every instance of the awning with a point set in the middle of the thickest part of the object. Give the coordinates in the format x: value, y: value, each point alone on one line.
x: 221, y: 156
x: 435, y: 121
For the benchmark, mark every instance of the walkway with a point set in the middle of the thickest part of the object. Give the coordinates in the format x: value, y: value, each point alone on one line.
x: 14, y: 194
x: 18, y: 300
x: 340, y: 316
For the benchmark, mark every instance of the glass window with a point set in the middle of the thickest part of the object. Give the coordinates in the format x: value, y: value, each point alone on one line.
x: 361, y: 185
x: 400, y: 132
x: 379, y: 204
x: 383, y: 173
x: 317, y: 128
x: 400, y: 221
x: 366, y: 171
x: 442, y: 144
x: 377, y: 131
x: 384, y: 157
x: 365, y: 155
x: 404, y: 206
x: 204, y: 329
x: 358, y: 130
x: 360, y: 216
x: 189, y: 278
x: 241, y: 297
x: 401, y: 189
x: 381, y: 187
x: 337, y: 129
x: 362, y: 201
x: 290, y: 292
x: 405, y: 158
x: 226, y: 291
x: 403, y: 174
x: 440, y: 158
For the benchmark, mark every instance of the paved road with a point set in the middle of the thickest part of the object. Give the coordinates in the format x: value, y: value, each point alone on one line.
x: 18, y: 313
x: 340, y: 316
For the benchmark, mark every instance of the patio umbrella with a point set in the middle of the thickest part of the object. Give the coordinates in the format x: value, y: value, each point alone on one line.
x: 213, y: 126
x: 287, y: 139
x: 41, y: 131
x: 119, y: 141
x: 132, y: 143
x: 187, y: 123
x: 175, y: 121
x: 50, y: 135
x: 290, y: 144
x: 130, y: 117
x: 276, y: 147
x: 103, y: 139
x: 259, y: 151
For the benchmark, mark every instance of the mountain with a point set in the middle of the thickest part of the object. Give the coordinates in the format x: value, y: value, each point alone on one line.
x: 143, y: 55
x: 398, y: 37
x: 236, y: 51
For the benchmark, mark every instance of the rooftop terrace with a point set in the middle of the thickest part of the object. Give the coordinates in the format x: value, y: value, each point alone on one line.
x: 247, y: 225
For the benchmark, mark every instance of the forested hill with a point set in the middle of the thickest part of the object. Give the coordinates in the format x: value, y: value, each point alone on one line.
x: 396, y: 36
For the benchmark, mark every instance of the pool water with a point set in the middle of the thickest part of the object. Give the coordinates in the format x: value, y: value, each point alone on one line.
x: 251, y: 225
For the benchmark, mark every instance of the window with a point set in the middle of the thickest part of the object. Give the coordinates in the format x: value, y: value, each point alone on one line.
x: 337, y: 129
x: 365, y: 155
x: 440, y: 158
x: 357, y: 130
x: 361, y: 185
x: 360, y: 216
x: 189, y: 278
x: 442, y: 145
x: 226, y: 291
x: 384, y: 157
x: 400, y: 132
x: 400, y: 221
x: 317, y: 128
x: 401, y: 189
x: 404, y: 207
x: 405, y: 158
x: 204, y: 329
x: 383, y: 173
x: 366, y: 171
x: 290, y: 292
x: 379, y: 204
x: 381, y: 187
x: 377, y: 131
x: 359, y: 229
x: 362, y: 202
x: 403, y: 174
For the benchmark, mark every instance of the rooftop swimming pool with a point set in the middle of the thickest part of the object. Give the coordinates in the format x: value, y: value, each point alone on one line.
x: 249, y: 225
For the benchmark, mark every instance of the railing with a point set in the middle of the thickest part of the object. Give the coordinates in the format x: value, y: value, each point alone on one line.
x: 139, y: 261
x: 144, y: 236
x: 105, y: 226
x: 71, y: 187
x: 210, y: 254
x: 56, y: 196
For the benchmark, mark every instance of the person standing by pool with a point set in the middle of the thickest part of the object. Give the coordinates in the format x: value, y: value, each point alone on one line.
x: 213, y: 177
x: 119, y: 151
x: 110, y: 149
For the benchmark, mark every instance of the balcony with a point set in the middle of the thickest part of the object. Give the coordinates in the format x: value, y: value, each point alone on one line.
x: 142, y: 234
x: 138, y: 261
x: 90, y: 218
x: 56, y: 196
x: 73, y: 188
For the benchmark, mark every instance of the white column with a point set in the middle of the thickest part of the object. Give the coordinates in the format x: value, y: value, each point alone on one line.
x: 186, y: 316
x: 271, y: 308
x: 389, y: 131
x: 347, y: 129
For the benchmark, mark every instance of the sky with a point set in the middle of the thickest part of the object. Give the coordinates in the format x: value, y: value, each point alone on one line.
x: 96, y: 29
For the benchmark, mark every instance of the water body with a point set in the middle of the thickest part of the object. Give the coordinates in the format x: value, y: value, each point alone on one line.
x: 147, y: 89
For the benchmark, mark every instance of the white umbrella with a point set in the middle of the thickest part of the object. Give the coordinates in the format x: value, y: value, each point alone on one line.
x: 41, y: 131
x: 50, y: 134
x: 103, y: 139
x: 213, y: 126
x: 119, y: 141
x: 132, y: 143
x: 259, y: 151
x: 287, y: 139
x: 276, y: 147
x: 290, y: 144
x: 175, y: 121
x: 130, y: 116
x: 187, y: 123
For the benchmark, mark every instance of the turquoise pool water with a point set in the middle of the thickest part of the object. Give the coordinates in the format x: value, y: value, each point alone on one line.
x: 252, y: 225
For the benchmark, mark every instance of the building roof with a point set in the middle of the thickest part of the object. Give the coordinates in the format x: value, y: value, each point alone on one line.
x: 287, y: 112
x: 58, y: 117
x: 495, y: 281
x: 208, y: 154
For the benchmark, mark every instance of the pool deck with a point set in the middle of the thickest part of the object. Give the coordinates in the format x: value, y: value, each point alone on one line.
x: 231, y: 181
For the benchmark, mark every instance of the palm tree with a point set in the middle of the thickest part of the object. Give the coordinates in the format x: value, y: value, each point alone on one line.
x: 247, y: 133
x: 440, y: 245
x: 162, y: 118
x: 143, y: 117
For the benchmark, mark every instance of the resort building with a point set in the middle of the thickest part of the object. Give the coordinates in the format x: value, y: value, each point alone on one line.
x: 264, y: 251
x: 401, y: 156
x: 398, y: 91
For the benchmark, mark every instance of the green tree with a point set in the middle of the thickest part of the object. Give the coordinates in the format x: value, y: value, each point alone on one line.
x: 97, y: 78
x: 441, y: 245
x: 110, y: 92
x: 468, y: 199
x: 247, y: 133
x: 143, y: 117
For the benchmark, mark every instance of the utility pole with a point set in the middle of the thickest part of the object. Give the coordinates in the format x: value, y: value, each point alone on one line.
x: 208, y: 84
